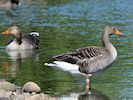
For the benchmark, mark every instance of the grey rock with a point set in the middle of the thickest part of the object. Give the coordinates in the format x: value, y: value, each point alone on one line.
x: 25, y: 95
x: 17, y: 97
x: 8, y: 94
x: 4, y: 98
x: 15, y: 93
x: 33, y: 93
x: 2, y: 93
x: 36, y: 97
x: 31, y: 87
x: 7, y: 86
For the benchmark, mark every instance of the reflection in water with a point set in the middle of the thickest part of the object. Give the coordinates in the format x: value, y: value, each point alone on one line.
x: 21, y: 54
x: 86, y: 95
x: 11, y: 68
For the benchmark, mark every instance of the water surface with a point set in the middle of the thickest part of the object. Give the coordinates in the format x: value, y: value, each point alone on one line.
x: 65, y: 25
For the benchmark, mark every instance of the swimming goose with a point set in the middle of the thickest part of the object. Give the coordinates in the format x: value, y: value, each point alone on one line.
x: 9, y: 3
x: 20, y: 42
x: 89, y: 59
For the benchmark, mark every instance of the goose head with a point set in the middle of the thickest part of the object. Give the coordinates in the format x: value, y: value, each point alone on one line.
x: 14, y: 31
x: 112, y: 31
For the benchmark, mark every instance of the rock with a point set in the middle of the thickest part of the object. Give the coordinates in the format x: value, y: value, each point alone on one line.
x: 36, y: 97
x: 8, y: 94
x: 26, y: 95
x: 16, y: 93
x: 7, y: 86
x: 33, y: 93
x: 2, y: 93
x: 31, y: 87
x: 17, y: 97
x: 4, y: 98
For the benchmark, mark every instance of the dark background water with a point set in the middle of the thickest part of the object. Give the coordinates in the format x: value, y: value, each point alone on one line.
x: 65, y: 25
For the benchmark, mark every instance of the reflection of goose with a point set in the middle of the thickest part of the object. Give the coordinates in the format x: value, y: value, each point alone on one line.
x: 21, y: 54
x: 87, y: 95
x: 89, y: 59
x: 8, y: 3
x: 21, y: 42
x: 12, y: 67
x: 93, y: 95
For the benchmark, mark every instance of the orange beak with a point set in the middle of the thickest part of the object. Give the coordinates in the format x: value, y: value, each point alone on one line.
x: 6, y: 32
x: 118, y: 32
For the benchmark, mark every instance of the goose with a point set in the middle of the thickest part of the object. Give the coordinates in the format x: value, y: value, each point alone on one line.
x: 9, y: 3
x: 20, y: 42
x: 89, y: 59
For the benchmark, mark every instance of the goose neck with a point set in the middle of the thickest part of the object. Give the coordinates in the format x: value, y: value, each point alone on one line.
x: 17, y: 38
x: 106, y: 41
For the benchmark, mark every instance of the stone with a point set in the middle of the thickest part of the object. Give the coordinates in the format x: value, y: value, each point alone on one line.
x: 33, y: 93
x: 36, y: 97
x: 4, y: 98
x: 8, y: 94
x: 31, y: 87
x: 7, y: 86
x: 26, y: 95
x: 2, y: 93
x: 17, y: 97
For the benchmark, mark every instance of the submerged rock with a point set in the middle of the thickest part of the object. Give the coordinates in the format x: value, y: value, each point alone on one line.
x: 31, y: 87
x: 7, y: 86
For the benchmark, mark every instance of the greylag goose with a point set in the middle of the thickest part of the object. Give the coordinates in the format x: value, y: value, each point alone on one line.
x: 89, y: 59
x: 20, y: 42
x: 9, y: 3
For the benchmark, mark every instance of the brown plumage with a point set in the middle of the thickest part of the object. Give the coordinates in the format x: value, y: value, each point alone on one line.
x: 93, y: 58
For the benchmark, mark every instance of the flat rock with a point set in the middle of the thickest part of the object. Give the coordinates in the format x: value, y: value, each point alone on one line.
x: 31, y: 87
x: 7, y: 86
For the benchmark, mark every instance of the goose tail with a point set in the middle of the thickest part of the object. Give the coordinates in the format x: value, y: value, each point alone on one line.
x: 72, y: 68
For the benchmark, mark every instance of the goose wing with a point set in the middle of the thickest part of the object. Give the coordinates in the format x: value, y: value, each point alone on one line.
x: 30, y: 39
x: 79, y: 54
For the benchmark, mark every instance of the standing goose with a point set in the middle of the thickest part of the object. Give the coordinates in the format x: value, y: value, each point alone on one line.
x: 9, y: 3
x: 20, y: 42
x: 89, y: 59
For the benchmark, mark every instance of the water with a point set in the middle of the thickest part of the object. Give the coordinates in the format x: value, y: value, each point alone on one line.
x: 65, y: 25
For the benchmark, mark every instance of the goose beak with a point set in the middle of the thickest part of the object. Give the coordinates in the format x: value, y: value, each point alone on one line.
x: 118, y: 32
x: 6, y: 32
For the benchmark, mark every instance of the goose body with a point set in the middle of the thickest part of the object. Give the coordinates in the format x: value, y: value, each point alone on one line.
x: 8, y: 3
x: 92, y: 58
x: 20, y: 42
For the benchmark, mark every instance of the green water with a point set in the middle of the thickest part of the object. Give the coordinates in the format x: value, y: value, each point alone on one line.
x: 65, y: 25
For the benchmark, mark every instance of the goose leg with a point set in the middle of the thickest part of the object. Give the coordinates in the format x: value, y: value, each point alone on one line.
x: 88, y: 81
